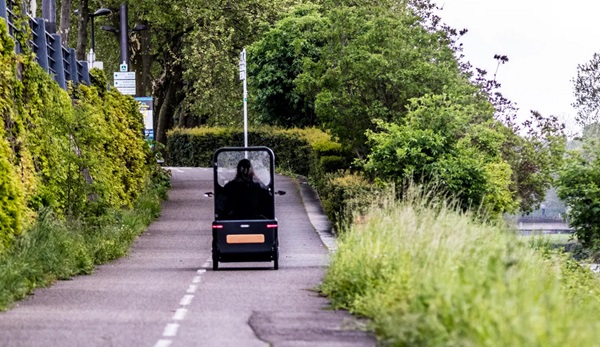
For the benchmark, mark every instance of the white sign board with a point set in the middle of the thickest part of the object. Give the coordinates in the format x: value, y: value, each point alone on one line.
x: 243, y: 65
x: 124, y: 75
x: 123, y: 67
x: 124, y: 83
x: 127, y: 90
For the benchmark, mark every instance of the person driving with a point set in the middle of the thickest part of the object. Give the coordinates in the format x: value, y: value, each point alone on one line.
x: 245, y: 194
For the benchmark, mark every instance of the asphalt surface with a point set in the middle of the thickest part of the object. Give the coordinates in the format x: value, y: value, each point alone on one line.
x: 166, y: 294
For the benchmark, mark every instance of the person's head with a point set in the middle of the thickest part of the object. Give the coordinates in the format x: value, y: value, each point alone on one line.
x: 244, y: 171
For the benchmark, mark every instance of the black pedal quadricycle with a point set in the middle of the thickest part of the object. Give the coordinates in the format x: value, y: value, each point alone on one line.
x: 244, y: 228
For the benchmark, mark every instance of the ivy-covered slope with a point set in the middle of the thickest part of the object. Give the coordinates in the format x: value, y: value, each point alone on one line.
x: 77, y: 153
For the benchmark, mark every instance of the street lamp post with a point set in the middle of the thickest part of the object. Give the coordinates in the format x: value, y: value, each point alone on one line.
x: 92, y: 54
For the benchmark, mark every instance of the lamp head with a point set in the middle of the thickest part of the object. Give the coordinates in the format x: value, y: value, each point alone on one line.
x: 101, y: 12
x: 109, y: 28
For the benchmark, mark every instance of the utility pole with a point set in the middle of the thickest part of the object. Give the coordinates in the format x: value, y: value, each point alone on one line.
x: 49, y: 15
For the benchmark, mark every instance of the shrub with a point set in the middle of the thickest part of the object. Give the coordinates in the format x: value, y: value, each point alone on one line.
x: 55, y: 249
x: 579, y: 188
x: 346, y: 197
x: 301, y: 151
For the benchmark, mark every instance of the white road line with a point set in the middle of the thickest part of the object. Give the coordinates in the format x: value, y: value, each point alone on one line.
x: 171, y: 329
x: 180, y: 314
x: 163, y: 343
x: 178, y: 170
x: 186, y: 300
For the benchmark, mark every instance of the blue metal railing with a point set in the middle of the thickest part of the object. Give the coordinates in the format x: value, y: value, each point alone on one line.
x: 51, y: 55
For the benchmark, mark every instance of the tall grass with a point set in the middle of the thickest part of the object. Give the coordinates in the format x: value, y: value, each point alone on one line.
x: 427, y: 275
x: 55, y: 249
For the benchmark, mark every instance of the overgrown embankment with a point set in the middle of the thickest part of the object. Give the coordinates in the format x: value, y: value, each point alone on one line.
x: 78, y: 181
x: 429, y: 276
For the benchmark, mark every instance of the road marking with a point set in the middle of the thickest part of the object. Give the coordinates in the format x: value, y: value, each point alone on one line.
x: 186, y: 300
x: 163, y: 343
x: 180, y: 314
x: 171, y: 329
x: 178, y: 170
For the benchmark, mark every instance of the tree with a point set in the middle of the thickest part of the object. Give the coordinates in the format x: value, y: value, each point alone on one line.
x: 196, y: 44
x: 82, y: 29
x: 65, y: 21
x: 371, y: 63
x: 374, y: 62
x: 587, y: 91
x: 439, y: 143
x: 579, y: 188
x: 276, y: 61
x: 189, y: 54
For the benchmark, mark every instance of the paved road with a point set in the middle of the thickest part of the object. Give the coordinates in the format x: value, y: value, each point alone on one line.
x: 165, y: 293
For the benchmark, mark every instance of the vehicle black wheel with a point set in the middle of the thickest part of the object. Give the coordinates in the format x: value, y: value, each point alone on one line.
x: 215, y: 259
x: 276, y: 258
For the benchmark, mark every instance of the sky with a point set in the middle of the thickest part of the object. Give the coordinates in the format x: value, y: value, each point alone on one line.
x: 544, y: 40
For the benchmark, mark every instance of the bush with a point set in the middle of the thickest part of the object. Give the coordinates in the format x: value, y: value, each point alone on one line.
x: 76, y: 152
x: 301, y: 151
x: 579, y: 188
x: 69, y: 162
x: 53, y: 249
x: 346, y: 197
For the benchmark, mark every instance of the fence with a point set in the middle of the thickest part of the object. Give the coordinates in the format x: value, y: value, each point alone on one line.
x: 51, y: 55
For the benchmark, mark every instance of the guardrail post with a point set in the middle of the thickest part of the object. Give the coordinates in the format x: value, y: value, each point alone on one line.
x: 73, y: 66
x: 41, y: 43
x: 60, y: 64
x: 85, y: 72
x: 3, y: 12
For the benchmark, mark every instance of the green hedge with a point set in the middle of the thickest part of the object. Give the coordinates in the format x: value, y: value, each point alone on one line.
x: 77, y: 153
x: 308, y: 152
x: 302, y: 151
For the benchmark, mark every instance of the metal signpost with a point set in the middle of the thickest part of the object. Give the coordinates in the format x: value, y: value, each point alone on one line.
x: 243, y: 78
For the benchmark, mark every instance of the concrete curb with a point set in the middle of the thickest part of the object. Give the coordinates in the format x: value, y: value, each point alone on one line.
x: 318, y: 219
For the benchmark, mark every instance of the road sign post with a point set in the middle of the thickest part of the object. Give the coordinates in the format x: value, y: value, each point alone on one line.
x: 243, y: 78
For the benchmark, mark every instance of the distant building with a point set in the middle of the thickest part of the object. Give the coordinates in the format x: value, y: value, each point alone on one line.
x: 548, y: 219
x: 528, y: 225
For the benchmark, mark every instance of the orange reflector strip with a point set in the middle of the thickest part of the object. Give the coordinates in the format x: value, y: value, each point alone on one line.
x: 246, y: 238
x: 217, y: 226
x: 271, y: 226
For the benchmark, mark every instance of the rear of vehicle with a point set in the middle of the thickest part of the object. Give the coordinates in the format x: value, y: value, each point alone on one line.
x: 251, y: 234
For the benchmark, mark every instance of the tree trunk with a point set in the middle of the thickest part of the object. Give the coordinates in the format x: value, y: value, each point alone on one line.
x: 82, y: 38
x: 165, y: 114
x: 141, y: 60
x: 65, y: 21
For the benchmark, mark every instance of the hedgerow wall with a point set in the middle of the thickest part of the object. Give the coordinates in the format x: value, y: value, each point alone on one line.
x: 76, y: 152
x: 308, y: 152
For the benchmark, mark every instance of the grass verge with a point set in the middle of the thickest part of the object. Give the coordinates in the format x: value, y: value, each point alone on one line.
x: 54, y: 250
x: 426, y: 275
